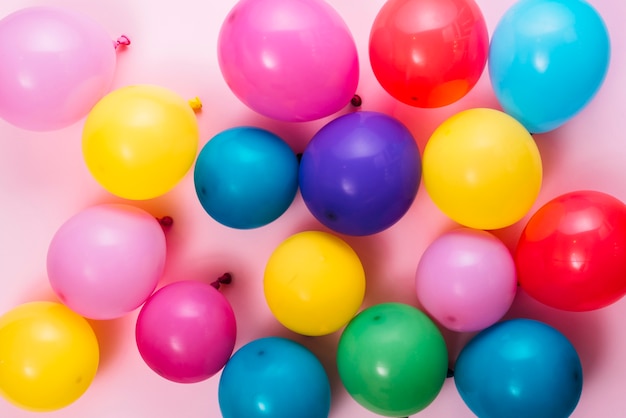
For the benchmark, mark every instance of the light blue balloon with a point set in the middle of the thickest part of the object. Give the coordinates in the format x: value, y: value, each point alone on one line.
x: 246, y: 177
x: 519, y: 368
x: 274, y: 377
x: 547, y: 60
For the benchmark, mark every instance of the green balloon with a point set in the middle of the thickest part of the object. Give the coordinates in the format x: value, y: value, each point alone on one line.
x: 392, y: 359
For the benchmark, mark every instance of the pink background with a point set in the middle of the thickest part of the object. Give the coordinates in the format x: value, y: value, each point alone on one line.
x: 44, y: 181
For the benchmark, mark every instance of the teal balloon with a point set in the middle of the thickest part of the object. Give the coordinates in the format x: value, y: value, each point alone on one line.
x: 547, y: 60
x: 246, y: 177
x: 519, y: 368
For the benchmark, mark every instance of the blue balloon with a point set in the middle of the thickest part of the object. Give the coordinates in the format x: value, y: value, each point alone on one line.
x: 246, y: 177
x: 360, y: 173
x: 519, y: 368
x: 547, y: 60
x: 274, y: 377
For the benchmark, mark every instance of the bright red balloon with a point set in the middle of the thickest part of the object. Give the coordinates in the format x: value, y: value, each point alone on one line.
x: 572, y: 253
x: 428, y: 53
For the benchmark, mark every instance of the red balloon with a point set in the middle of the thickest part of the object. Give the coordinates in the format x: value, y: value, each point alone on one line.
x: 428, y: 53
x: 572, y: 253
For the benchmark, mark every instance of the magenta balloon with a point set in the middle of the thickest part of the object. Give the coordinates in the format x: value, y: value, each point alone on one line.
x: 466, y: 280
x: 288, y: 60
x: 55, y: 66
x: 186, y: 331
x: 106, y: 260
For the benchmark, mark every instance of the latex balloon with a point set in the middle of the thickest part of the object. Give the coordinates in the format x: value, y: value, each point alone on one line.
x: 519, y: 368
x: 246, y: 177
x: 428, y: 53
x: 466, y: 280
x: 360, y: 173
x: 56, y: 64
x: 139, y: 141
x: 571, y: 254
x: 392, y: 359
x: 547, y: 61
x: 48, y: 356
x: 186, y: 331
x: 106, y: 260
x: 314, y: 283
x: 274, y: 377
x: 288, y: 60
x: 482, y: 169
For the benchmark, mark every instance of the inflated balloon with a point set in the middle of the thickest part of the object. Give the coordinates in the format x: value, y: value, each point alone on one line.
x: 274, y: 377
x: 288, y: 60
x: 572, y: 253
x: 49, y: 356
x: 482, y: 169
x: 314, y: 283
x: 548, y: 59
x: 519, y: 368
x: 186, y: 331
x: 392, y: 359
x: 246, y: 177
x: 466, y: 279
x: 428, y: 53
x: 106, y: 260
x: 56, y: 64
x: 139, y: 141
x: 360, y: 173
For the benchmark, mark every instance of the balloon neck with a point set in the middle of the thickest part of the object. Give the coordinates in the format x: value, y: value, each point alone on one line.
x: 356, y: 101
x: 225, y: 278
x: 121, y: 41
x: 166, y: 222
x: 195, y: 104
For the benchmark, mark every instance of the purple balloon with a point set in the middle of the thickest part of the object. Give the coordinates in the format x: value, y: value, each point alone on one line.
x: 360, y: 173
x: 186, y: 331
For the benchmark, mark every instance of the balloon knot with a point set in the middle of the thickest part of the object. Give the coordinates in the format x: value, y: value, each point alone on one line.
x: 196, y: 104
x: 225, y: 278
x: 356, y: 101
x: 121, y: 41
x: 166, y: 221
x: 450, y: 373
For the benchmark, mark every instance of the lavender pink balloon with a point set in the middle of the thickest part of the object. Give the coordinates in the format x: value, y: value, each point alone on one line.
x: 466, y: 280
x: 288, y: 60
x: 106, y: 260
x: 56, y: 64
x: 186, y: 331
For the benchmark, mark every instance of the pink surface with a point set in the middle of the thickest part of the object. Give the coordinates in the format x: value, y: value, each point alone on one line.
x: 44, y: 181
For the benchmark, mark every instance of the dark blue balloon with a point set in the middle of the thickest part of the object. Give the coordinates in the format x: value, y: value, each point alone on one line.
x: 547, y: 60
x: 274, y: 377
x: 360, y: 173
x: 519, y: 368
x: 246, y: 177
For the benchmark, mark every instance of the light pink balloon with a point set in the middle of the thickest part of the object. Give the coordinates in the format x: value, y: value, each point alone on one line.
x: 106, y: 260
x: 288, y: 60
x: 55, y: 65
x: 466, y: 280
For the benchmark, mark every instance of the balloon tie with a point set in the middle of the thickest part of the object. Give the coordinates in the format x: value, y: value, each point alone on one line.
x: 166, y: 221
x: 356, y: 101
x: 121, y: 41
x: 196, y: 104
x: 225, y: 278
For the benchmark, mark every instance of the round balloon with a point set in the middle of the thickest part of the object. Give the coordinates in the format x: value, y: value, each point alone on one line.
x: 466, y: 280
x: 519, y: 368
x: 274, y: 377
x: 548, y: 59
x: 360, y: 173
x: 428, y: 53
x: 139, y: 141
x: 572, y: 252
x: 314, y: 283
x: 106, y: 260
x: 288, y: 60
x: 482, y: 169
x: 246, y: 177
x: 186, y: 331
x: 392, y: 359
x: 48, y: 356
x: 56, y: 64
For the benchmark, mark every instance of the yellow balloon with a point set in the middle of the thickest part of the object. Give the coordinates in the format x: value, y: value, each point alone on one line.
x: 314, y: 283
x: 48, y: 356
x: 482, y: 169
x: 140, y: 141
